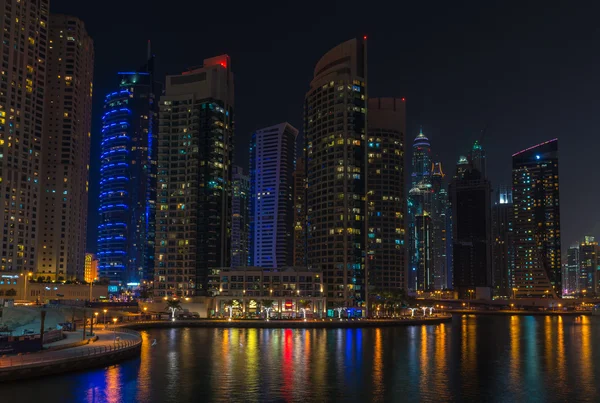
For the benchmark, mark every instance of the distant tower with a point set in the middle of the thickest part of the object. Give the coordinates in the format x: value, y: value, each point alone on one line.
x: 240, y: 217
x: 571, y: 279
x: 385, y: 200
x: 300, y: 213
x: 478, y: 159
x: 439, y: 217
x: 502, y: 244
x: 272, y: 180
x: 589, y: 252
x: 537, y: 221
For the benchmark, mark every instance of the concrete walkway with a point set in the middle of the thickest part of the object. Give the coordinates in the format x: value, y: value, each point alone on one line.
x: 106, y: 343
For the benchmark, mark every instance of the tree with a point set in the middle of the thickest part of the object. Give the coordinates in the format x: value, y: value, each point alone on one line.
x: 339, y: 306
x: 11, y: 293
x: 304, y: 304
x: 173, y: 305
x: 267, y: 305
x: 229, y: 304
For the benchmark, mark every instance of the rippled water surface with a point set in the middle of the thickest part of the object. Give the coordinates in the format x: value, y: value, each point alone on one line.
x: 484, y: 358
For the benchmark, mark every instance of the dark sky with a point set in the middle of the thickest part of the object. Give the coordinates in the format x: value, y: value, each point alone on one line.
x: 526, y: 72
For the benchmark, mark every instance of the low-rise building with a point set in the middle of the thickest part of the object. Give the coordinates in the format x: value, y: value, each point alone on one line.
x: 249, y: 290
x: 14, y: 287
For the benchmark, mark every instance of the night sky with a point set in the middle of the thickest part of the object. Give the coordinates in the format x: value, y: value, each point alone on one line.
x: 526, y: 73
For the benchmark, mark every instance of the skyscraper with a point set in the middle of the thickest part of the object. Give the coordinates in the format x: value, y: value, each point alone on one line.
x: 385, y: 200
x: 571, y: 280
x: 193, y: 212
x: 273, y: 183
x: 472, y: 266
x: 240, y: 218
x: 502, y: 244
x: 66, y: 139
x: 300, y: 213
x: 478, y: 159
x: 24, y: 25
x: 335, y: 125
x: 439, y: 218
x: 537, y: 221
x: 420, y: 199
x: 128, y: 155
x: 589, y: 253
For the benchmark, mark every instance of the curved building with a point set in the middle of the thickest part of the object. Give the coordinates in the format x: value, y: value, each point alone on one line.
x: 335, y: 124
x: 125, y: 243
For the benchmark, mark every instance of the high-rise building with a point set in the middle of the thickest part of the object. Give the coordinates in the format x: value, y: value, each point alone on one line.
x: 240, y: 218
x: 470, y: 196
x: 589, y: 253
x: 335, y: 124
x: 272, y: 180
x: 66, y: 139
x: 24, y: 47
x: 419, y: 202
x: 536, y: 225
x: 90, y: 271
x: 128, y: 155
x: 385, y: 199
x: 477, y: 157
x: 502, y: 245
x: 193, y: 208
x: 571, y: 279
x: 439, y: 217
x: 300, y: 213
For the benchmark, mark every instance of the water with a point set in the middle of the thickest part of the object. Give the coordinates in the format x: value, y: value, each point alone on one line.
x: 484, y: 358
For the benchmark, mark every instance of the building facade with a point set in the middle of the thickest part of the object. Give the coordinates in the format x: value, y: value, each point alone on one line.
x: 66, y: 160
x: 247, y: 291
x: 386, y: 244
x: 589, y: 253
x: 195, y: 144
x: 128, y: 161
x: 25, y: 29
x: 440, y: 234
x: 272, y: 180
x: 537, y: 221
x: 90, y: 271
x: 335, y: 130
x: 470, y: 196
x: 300, y: 213
x: 240, y: 217
x: 571, y: 276
x: 502, y: 244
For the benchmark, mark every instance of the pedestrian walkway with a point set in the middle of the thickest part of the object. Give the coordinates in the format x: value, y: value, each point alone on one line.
x: 108, y: 341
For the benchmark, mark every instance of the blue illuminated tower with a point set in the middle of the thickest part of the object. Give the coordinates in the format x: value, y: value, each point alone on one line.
x: 128, y: 179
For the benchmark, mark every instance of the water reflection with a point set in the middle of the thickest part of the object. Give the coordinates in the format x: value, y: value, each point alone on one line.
x: 502, y: 359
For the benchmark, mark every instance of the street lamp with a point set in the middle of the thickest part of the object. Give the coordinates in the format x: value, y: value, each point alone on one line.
x: 91, y: 282
x: 25, y: 281
x: 115, y: 329
x: 92, y: 325
x: 104, y: 321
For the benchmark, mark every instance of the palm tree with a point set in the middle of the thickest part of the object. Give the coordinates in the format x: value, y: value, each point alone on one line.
x: 229, y: 304
x: 173, y: 305
x: 304, y: 304
x: 339, y: 306
x: 267, y: 305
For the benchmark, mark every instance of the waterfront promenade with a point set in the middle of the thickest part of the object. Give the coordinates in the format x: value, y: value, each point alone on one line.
x: 106, y: 350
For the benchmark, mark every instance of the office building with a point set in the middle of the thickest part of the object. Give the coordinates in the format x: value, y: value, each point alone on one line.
x: 536, y: 225
x: 272, y: 180
x: 470, y: 196
x: 193, y: 208
x: 128, y: 154
x: 66, y: 139
x: 571, y: 276
x: 300, y: 213
x: 240, y: 217
x: 386, y: 244
x: 335, y: 125
x: 24, y: 47
x: 478, y: 159
x: 439, y: 218
x: 502, y: 245
x: 589, y: 253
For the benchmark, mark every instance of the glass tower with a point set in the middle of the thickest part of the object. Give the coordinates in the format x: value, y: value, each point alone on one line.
x: 537, y: 221
x: 125, y: 244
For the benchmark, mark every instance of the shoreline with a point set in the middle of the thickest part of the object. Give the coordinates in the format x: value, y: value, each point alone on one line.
x: 286, y: 324
x: 520, y: 313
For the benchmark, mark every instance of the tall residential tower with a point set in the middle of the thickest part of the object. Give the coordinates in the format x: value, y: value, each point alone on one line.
x: 240, y: 217
x: 335, y: 125
x: 385, y: 200
x: 193, y: 211
x: 65, y: 169
x: 537, y: 221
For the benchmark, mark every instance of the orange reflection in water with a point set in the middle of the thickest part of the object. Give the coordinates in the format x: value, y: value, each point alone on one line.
x: 588, y: 381
x: 378, y: 364
x: 113, y: 385
x: 561, y: 362
x: 143, y: 389
x: 515, y: 351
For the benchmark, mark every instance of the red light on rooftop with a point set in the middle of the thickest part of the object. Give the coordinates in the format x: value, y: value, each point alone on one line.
x: 224, y: 64
x: 403, y: 99
x: 365, y: 37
